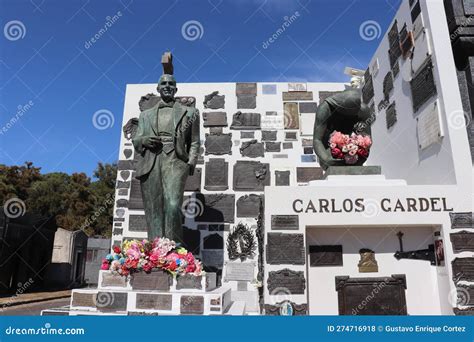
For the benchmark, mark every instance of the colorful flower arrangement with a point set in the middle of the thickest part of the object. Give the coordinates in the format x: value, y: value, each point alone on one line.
x: 162, y: 253
x: 349, y: 147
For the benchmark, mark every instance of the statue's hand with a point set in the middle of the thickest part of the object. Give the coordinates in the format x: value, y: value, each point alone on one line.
x: 152, y: 142
x: 334, y: 162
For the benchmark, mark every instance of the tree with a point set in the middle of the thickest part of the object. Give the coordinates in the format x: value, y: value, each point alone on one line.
x: 16, y: 180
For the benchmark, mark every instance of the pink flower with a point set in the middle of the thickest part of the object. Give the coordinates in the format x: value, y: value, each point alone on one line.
x: 338, y: 138
x: 104, y: 266
x: 352, y: 152
x: 133, y: 254
x: 365, y: 142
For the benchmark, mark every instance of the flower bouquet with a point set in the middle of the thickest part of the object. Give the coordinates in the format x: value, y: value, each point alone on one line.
x: 161, y: 253
x: 349, y: 147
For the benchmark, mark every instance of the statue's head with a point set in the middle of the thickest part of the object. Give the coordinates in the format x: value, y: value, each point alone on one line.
x: 167, y: 87
x: 356, y: 81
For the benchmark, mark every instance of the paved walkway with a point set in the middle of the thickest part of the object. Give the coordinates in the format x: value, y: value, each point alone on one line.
x: 26, y: 298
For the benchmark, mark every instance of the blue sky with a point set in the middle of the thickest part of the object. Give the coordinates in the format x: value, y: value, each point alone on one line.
x: 48, y: 68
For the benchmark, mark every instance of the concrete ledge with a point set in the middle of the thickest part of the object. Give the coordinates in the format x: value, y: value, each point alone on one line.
x: 353, y: 170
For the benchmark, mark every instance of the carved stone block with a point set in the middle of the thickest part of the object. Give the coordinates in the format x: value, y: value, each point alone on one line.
x: 285, y: 249
x: 293, y: 282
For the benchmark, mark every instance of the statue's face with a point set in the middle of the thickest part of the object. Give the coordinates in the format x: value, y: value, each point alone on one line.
x: 167, y: 87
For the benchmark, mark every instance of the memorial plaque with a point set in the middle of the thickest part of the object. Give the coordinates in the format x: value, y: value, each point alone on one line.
x: 122, y: 203
x: 212, y: 258
x: 287, y: 145
x: 461, y: 220
x: 292, y: 281
x: 218, y: 144
x: 273, y: 122
x: 291, y: 119
x: 216, y: 179
x: 388, y: 300
x: 298, y: 96
x: 368, y: 90
x: 240, y: 271
x: 422, y: 85
x: 83, y: 299
x: 127, y: 152
x: 249, y: 205
x: 282, y: 178
x: 246, y: 89
x: 323, y: 95
x: 192, y: 305
x: 120, y: 212
x: 214, y: 119
x: 463, y: 269
x: 285, y: 222
x: 214, y: 100
x: 269, y: 135
x: 137, y: 223
x: 252, y: 149
x: 291, y: 136
x: 156, y: 280
x: 306, y: 174
x: 285, y: 249
x: 193, y: 183
x: 465, y: 294
x: 188, y: 281
x: 245, y: 121
x: 297, y: 86
x: 271, y: 146
x: 216, y: 130
x: 192, y: 240
x: 308, y: 150
x: 393, y: 37
x: 126, y: 165
x: 119, y: 219
x: 464, y: 312
x: 269, y: 89
x: 428, y: 127
x: 124, y: 175
x: 325, y: 255
x: 391, y: 115
x: 271, y: 113
x: 247, y: 135
x: 213, y: 241
x: 136, y: 199
x: 111, y: 301
x: 395, y: 69
x: 123, y: 185
x: 286, y: 308
x: 387, y: 85
x: 123, y: 192
x: 308, y: 107
x: 246, y: 102
x: 112, y: 279
x: 415, y: 12
x: 148, y: 301
x: 280, y: 156
x: 117, y: 231
x: 250, y: 176
x: 217, y: 208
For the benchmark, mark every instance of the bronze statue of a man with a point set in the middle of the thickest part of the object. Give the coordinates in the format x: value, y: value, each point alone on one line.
x: 168, y: 141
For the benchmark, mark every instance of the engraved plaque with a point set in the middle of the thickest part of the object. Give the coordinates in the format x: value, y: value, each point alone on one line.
x: 463, y: 269
x: 217, y: 208
x: 368, y: 90
x: 308, y: 107
x: 428, y: 127
x: 293, y: 282
x: 192, y: 305
x: 136, y: 199
x: 291, y: 136
x: 269, y: 89
x: 216, y: 130
x: 285, y: 222
x: 111, y: 301
x: 245, y: 121
x: 218, y: 144
x: 214, y: 119
x: 306, y: 174
x: 282, y: 178
x: 216, y: 175
x: 462, y: 241
x: 388, y: 300
x: 246, y: 89
x: 213, y: 241
x: 297, y: 87
x: 125, y: 165
x: 287, y: 145
x: 415, y: 12
x: 250, y: 176
x: 252, y: 149
x: 395, y: 69
x: 422, y: 85
x: 391, y: 115
x: 246, y: 102
x: 247, y: 135
x: 188, y: 281
x: 239, y: 271
x: 193, y: 183
x: 84, y: 299
x: 387, y: 85
x: 273, y: 122
x: 249, y: 206
x: 121, y: 203
x: 155, y: 280
x: 123, y: 185
x: 150, y: 301
x: 214, y: 100
x: 137, y: 223
x: 212, y: 258
x: 269, y: 135
x: 308, y: 150
x: 291, y: 119
x: 323, y: 95
x: 325, y: 255
x: 127, y: 152
x: 285, y: 249
x: 298, y: 96
x: 111, y: 279
x: 271, y: 146
x: 286, y: 308
x: 123, y: 192
x: 461, y: 220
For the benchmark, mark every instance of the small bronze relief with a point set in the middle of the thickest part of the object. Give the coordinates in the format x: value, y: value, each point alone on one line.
x: 367, y: 261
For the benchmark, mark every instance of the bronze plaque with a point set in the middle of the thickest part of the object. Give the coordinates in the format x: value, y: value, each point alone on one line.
x: 387, y: 295
x: 150, y: 301
x: 250, y: 176
x: 192, y: 305
x: 247, y: 135
x: 189, y: 281
x: 137, y: 223
x: 272, y: 146
x: 282, y: 178
x: 112, y: 279
x: 391, y: 115
x: 252, y: 149
x: 193, y: 183
x: 83, y: 299
x: 308, y: 107
x: 291, y: 282
x: 155, y: 280
x: 368, y: 90
x: 291, y: 136
x: 216, y: 175
x: 465, y: 295
x: 111, y: 301
x: 387, y: 86
x: 461, y: 220
x: 136, y: 199
x: 214, y: 119
x: 462, y: 241
x: 269, y: 135
x: 297, y: 96
x: 291, y: 115
x: 245, y: 121
x: 306, y: 174
x: 463, y: 269
x: 214, y: 100
x: 325, y: 255
x: 285, y: 249
x: 216, y: 208
x: 246, y: 102
x: 423, y: 85
x: 218, y: 144
x: 249, y: 206
x: 246, y: 89
x: 323, y: 95
x: 285, y: 222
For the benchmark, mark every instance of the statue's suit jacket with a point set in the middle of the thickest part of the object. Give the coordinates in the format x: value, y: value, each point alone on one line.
x: 186, y: 137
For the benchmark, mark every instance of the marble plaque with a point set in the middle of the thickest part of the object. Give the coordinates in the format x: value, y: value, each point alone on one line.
x: 252, y: 149
x: 308, y: 107
x: 239, y: 271
x: 298, y: 96
x: 247, y: 135
x: 463, y: 269
x: 282, y: 178
x: 249, y: 205
x: 216, y: 179
x: 136, y: 200
x: 84, y: 299
x: 306, y: 174
x: 325, y: 255
x: 286, y: 308
x: 214, y: 100
x: 217, y: 208
x: 462, y: 241
x: 323, y: 95
x: 269, y: 89
x: 285, y: 249
x: 246, y: 89
x: 193, y: 183
x: 214, y: 119
x: 149, y: 301
x: 192, y: 240
x: 462, y: 220
x: 246, y: 102
x: 156, y: 280
x: 192, y: 305
x: 273, y: 122
x: 212, y: 258
x: 250, y: 176
x: 111, y: 279
x: 218, y: 144
x: 287, y: 145
x: 272, y: 146
x: 213, y: 241
x: 291, y: 116
x: 387, y: 85
x: 188, y: 281
x: 111, y: 301
x: 291, y: 136
x: 285, y: 222
x: 137, y: 223
x: 428, y: 127
x: 388, y: 300
x: 269, y: 135
x: 245, y: 121
x: 293, y: 282
x: 125, y: 165
x: 423, y: 85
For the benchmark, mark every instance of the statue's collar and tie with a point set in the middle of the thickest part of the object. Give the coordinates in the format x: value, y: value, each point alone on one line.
x: 163, y: 104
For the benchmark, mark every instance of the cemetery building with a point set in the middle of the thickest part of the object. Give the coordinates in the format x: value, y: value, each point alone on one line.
x: 97, y: 249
